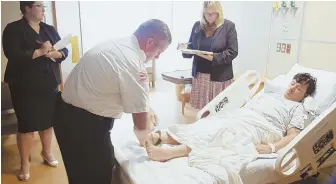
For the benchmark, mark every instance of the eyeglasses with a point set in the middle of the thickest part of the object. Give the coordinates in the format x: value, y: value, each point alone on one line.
x: 211, y: 14
x: 40, y: 5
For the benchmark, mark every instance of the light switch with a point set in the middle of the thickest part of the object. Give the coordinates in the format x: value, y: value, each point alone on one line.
x: 285, y: 27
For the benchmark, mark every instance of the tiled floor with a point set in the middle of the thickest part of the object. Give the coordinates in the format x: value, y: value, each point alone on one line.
x: 163, y: 101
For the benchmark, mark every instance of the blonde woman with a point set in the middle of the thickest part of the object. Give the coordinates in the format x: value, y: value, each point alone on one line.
x: 212, y: 73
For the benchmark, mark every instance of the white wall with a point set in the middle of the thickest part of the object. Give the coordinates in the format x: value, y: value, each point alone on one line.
x: 252, y: 20
x: 309, y: 31
x: 280, y: 63
x: 318, y: 43
x: 68, y: 22
x: 10, y: 11
x: 97, y: 25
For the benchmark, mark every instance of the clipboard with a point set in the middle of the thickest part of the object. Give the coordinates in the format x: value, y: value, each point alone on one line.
x: 63, y: 42
x: 190, y: 51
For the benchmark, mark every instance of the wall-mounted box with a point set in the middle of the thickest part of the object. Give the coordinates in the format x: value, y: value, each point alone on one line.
x: 278, y: 49
x: 283, y: 47
x: 288, y: 48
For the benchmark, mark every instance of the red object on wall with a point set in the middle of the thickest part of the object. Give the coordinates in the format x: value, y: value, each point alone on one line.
x: 288, y: 49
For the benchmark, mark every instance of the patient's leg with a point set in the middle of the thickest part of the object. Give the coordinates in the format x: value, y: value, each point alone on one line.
x: 163, y: 154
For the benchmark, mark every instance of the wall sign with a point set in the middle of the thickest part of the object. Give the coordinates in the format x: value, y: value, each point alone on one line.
x: 221, y: 104
x: 284, y: 48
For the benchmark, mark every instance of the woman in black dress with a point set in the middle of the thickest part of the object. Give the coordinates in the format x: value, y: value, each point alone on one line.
x: 33, y: 76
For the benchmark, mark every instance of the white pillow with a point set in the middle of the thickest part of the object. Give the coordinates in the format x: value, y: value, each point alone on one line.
x: 325, y: 93
x: 277, y: 85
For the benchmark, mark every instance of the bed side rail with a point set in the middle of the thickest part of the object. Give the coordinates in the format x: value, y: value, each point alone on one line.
x: 234, y: 96
x: 307, y: 153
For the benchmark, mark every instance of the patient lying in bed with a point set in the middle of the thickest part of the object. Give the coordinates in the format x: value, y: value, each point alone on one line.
x: 265, y: 125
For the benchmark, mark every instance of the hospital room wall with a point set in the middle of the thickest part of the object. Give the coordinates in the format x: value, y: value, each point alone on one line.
x: 68, y: 22
x: 318, y: 43
x: 252, y: 20
x: 259, y: 30
x: 10, y: 11
x: 286, y: 26
x: 309, y: 31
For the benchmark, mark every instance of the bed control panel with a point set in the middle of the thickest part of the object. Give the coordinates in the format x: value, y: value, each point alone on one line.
x: 325, y: 156
x: 323, y: 141
x: 306, y: 171
x: 221, y: 104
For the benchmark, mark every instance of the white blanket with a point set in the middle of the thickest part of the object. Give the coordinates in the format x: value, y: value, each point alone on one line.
x: 223, y: 144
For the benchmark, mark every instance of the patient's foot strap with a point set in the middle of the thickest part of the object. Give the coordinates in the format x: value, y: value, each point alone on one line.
x: 159, y: 140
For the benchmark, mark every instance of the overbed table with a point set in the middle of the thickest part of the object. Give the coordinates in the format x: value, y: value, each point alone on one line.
x: 180, y: 78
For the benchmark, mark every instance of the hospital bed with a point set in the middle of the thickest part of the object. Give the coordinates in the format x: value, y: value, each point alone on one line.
x: 308, y: 154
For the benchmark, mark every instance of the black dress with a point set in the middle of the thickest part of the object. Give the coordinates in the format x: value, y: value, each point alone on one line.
x: 34, y: 105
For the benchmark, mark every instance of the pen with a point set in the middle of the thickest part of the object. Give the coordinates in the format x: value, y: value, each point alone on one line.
x: 39, y: 42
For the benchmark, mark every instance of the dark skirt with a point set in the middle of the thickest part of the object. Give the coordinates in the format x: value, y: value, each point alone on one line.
x: 34, y: 109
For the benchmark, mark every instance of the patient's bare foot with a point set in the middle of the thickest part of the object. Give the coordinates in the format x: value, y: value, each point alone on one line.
x: 158, y: 153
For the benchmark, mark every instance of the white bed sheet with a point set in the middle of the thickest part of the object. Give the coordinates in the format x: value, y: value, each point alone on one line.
x: 144, y: 171
x: 141, y: 170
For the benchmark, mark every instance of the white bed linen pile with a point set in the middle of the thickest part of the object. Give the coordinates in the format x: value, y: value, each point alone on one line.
x: 202, y: 167
x: 224, y: 144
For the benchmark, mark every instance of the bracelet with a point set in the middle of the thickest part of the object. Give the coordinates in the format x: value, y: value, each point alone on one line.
x: 272, y: 147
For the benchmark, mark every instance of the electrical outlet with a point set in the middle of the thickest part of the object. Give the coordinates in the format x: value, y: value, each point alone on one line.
x: 285, y: 27
x: 278, y: 49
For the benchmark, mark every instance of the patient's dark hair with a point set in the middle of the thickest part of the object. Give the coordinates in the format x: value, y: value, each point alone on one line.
x: 154, y: 28
x: 306, y: 78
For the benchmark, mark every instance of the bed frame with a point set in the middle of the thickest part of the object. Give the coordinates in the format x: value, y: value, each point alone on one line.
x: 309, y: 152
x: 306, y: 156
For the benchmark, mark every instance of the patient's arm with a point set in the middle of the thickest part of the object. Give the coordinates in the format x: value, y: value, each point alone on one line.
x: 266, y: 149
x: 141, y: 126
x: 291, y: 134
x: 295, y: 125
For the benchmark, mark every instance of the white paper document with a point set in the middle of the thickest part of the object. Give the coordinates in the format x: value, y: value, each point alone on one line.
x: 189, y: 51
x: 63, y: 42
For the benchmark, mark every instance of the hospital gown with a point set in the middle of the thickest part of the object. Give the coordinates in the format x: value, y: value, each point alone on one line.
x: 280, y: 112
